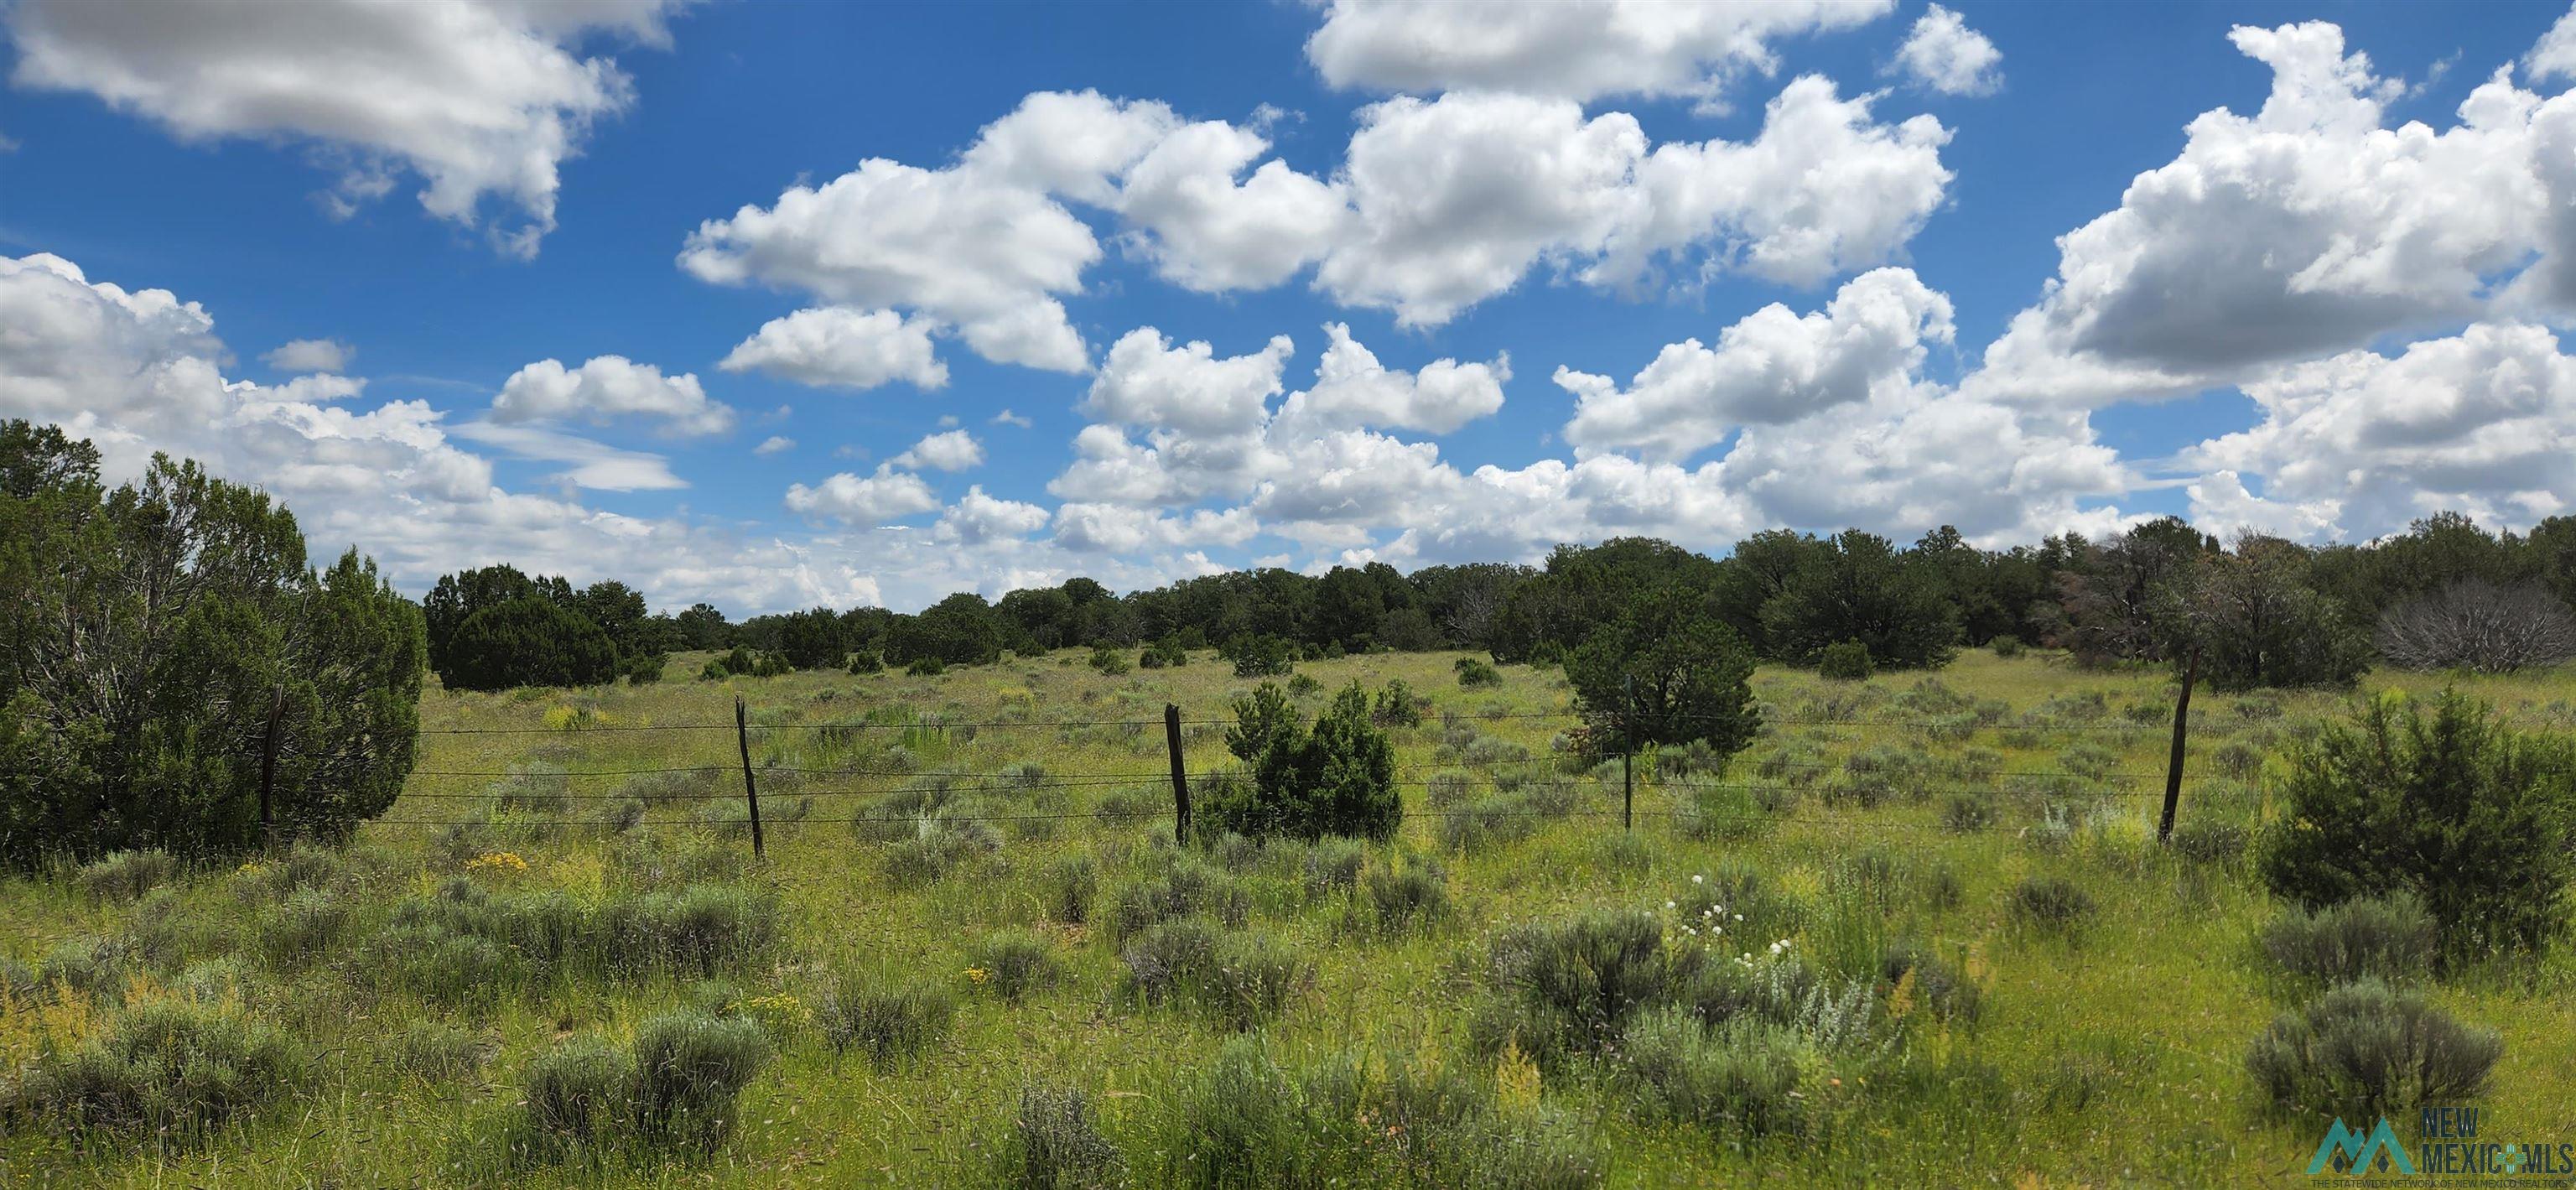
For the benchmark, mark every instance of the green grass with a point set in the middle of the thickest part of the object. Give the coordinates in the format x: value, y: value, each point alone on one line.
x: 2107, y: 1053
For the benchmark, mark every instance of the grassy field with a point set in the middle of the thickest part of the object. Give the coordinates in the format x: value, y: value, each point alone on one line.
x: 2105, y: 1051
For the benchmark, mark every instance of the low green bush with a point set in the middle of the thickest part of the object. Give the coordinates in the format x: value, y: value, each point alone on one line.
x: 1015, y: 964
x: 2051, y: 903
x: 2365, y: 1050
x: 1409, y: 893
x: 175, y: 1071
x: 1476, y: 673
x: 1742, y: 1078
x: 1847, y: 661
x: 1567, y: 988
x: 2390, y: 938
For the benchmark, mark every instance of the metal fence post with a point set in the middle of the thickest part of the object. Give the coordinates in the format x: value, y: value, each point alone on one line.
x: 750, y: 791
x: 1180, y: 778
x: 2173, y: 766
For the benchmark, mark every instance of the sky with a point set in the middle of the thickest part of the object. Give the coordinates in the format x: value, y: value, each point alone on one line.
x: 776, y: 305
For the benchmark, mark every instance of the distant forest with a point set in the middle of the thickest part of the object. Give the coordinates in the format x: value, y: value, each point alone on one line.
x: 2261, y: 611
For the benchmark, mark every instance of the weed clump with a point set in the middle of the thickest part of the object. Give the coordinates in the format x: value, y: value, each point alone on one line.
x: 886, y: 1021
x: 2051, y: 903
x: 1241, y: 980
x: 677, y: 1088
x: 125, y: 875
x: 1012, y: 965
x: 1055, y: 1144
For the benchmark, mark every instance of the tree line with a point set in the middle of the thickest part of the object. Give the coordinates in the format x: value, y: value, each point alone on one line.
x: 2258, y: 611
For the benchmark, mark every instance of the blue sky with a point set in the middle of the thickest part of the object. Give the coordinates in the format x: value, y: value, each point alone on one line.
x: 2338, y: 306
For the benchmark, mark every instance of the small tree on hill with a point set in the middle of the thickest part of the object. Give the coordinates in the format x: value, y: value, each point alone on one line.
x: 1857, y: 587
x: 1665, y: 670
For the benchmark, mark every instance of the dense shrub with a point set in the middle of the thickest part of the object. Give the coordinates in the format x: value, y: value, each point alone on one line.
x: 436, y: 1051
x: 173, y: 1070
x: 2391, y: 938
x: 2442, y: 801
x: 1398, y: 706
x: 2364, y: 1050
x: 148, y: 632
x: 1256, y: 656
x: 1476, y: 673
x: 1258, y: 717
x: 866, y: 661
x: 1846, y: 661
x: 528, y: 641
x: 1189, y: 890
x: 1409, y: 893
x: 2475, y: 625
x: 1336, y: 779
x: 1166, y: 653
x: 1109, y: 661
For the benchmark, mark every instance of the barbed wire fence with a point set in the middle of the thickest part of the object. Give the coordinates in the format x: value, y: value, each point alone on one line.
x: 892, y: 794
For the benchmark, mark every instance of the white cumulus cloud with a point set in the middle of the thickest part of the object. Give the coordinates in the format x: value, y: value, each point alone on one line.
x: 311, y: 355
x: 480, y: 99
x: 608, y: 389
x: 1942, y: 53
x: 842, y: 347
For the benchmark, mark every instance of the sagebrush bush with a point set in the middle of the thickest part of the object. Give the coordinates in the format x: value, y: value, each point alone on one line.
x: 886, y: 1020
x: 1409, y: 893
x: 1055, y: 1144
x: 2051, y: 902
x: 1741, y: 1078
x: 2365, y: 1050
x: 570, y: 1096
x: 689, y: 1072
x: 2391, y: 938
x: 1242, y: 980
x: 436, y: 1051
x: 1967, y: 811
x: 303, y: 929
x: 176, y: 1070
x: 1567, y: 988
x: 940, y: 842
x: 1931, y: 982
x: 1071, y: 886
x: 1188, y: 889
x: 1016, y: 963
x: 2210, y: 842
x: 1490, y: 821
x: 1331, y: 866
x: 92, y: 965
x: 2441, y: 800
x: 125, y: 875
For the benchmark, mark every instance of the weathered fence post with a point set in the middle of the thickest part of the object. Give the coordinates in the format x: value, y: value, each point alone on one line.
x: 268, y: 763
x: 1180, y: 776
x: 750, y: 792
x: 2173, y: 766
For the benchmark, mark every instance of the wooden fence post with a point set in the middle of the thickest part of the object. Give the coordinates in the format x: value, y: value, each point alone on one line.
x: 750, y: 792
x: 1180, y: 775
x: 2173, y: 766
x: 268, y: 763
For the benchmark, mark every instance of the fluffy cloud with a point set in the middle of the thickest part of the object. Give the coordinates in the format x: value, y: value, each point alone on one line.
x: 479, y: 98
x: 311, y: 355
x: 1207, y: 231
x: 774, y: 444
x: 2308, y: 228
x: 1353, y: 389
x: 955, y: 450
x: 1147, y: 381
x: 1457, y: 198
x: 1570, y: 49
x: 2359, y: 444
x: 887, y: 495
x: 977, y: 518
x: 2555, y: 57
x: 980, y: 245
x: 1770, y: 368
x: 1944, y: 54
x: 841, y: 347
x: 605, y: 390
